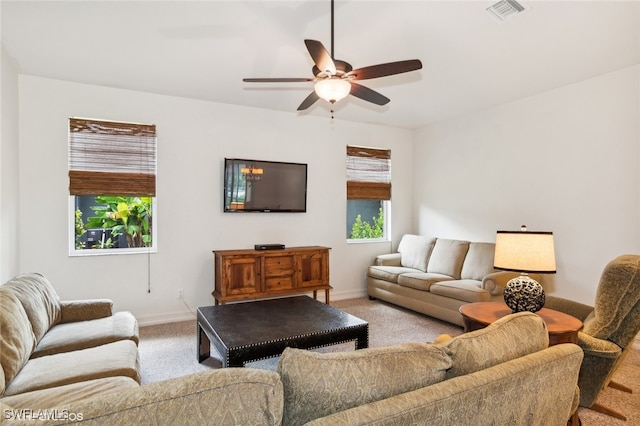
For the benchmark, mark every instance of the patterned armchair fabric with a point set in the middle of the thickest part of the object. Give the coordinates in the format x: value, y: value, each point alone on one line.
x: 609, y: 327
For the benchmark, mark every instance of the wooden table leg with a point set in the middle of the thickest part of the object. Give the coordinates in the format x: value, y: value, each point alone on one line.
x: 574, y: 420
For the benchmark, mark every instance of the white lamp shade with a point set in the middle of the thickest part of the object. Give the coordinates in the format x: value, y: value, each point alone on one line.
x: 332, y: 89
x: 524, y: 251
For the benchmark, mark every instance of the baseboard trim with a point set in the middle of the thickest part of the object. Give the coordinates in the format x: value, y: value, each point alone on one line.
x: 352, y: 294
x: 146, y: 320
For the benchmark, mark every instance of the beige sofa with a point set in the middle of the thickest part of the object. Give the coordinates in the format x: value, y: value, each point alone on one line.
x: 51, y: 349
x: 436, y: 276
x: 503, y: 374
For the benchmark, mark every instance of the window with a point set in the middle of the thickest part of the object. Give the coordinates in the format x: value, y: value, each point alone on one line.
x: 368, y: 193
x: 112, y: 187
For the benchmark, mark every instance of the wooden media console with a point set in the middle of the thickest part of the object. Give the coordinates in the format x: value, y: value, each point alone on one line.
x: 258, y: 274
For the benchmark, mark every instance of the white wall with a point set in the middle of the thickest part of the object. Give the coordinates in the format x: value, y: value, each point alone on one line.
x: 193, y: 139
x: 566, y: 161
x: 8, y: 168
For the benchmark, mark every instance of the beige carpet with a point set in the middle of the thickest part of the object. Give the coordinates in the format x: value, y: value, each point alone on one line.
x: 169, y: 350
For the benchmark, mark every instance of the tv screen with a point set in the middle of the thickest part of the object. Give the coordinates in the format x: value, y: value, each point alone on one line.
x: 264, y: 186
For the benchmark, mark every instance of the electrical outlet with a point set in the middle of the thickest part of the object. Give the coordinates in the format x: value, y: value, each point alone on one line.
x: 180, y: 293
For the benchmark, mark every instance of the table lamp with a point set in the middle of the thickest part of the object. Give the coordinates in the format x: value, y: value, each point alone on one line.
x: 526, y: 252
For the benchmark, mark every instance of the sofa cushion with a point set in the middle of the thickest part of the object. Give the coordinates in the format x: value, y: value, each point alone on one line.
x: 73, y: 336
x: 228, y: 396
x: 39, y: 299
x: 74, y: 392
x: 465, y: 290
x: 421, y: 280
x: 478, y: 262
x: 16, y: 336
x: 319, y: 384
x: 447, y: 257
x: 110, y: 360
x: 510, y: 337
x: 388, y: 273
x: 415, y: 251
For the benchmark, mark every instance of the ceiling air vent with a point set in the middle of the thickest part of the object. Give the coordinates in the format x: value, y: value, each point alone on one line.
x: 505, y: 9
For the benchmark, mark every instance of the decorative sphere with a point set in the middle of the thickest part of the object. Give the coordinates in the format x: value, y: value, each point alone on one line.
x: 524, y: 294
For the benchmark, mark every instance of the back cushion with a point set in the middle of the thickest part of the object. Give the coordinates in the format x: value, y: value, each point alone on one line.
x: 478, y: 262
x: 447, y: 257
x: 319, y: 384
x: 16, y: 336
x: 415, y: 251
x: 39, y: 299
x: 510, y: 337
x: 615, y: 312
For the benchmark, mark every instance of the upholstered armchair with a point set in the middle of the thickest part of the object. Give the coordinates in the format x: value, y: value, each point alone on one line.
x: 610, y: 327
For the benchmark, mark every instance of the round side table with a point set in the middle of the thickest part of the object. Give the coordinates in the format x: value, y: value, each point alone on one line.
x: 562, y: 328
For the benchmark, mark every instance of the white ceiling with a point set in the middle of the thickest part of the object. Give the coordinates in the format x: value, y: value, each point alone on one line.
x: 203, y: 49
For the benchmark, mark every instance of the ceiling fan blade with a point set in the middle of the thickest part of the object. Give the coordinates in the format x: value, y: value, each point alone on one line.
x: 382, y: 70
x: 309, y: 100
x: 368, y: 95
x: 320, y: 56
x: 276, y: 80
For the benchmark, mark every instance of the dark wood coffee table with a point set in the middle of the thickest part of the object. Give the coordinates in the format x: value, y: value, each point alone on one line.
x: 251, y: 331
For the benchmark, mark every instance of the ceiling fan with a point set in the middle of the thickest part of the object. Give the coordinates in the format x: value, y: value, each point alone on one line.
x: 335, y: 79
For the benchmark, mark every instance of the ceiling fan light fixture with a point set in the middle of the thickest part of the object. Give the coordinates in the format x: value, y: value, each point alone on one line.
x: 332, y: 89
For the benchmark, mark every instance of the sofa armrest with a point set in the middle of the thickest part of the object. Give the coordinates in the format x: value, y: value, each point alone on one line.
x: 85, y: 310
x: 242, y: 396
x: 598, y: 348
x: 391, y: 259
x: 569, y: 307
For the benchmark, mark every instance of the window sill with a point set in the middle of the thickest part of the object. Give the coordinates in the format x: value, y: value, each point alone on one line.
x: 111, y: 252
x: 367, y: 240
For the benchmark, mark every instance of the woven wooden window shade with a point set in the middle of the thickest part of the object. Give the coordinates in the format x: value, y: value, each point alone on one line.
x: 368, y: 173
x: 111, y: 158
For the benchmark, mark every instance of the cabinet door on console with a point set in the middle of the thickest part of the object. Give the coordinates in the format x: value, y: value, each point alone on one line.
x: 279, y: 272
x: 241, y: 275
x: 313, y: 269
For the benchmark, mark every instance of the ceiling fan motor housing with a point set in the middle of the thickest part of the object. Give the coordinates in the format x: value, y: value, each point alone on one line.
x: 342, y: 68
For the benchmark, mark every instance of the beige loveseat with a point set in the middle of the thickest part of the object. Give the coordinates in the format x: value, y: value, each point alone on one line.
x: 503, y: 374
x: 52, y: 350
x: 436, y: 276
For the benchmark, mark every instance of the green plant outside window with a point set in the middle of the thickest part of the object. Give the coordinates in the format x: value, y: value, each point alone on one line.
x: 367, y: 230
x: 130, y: 217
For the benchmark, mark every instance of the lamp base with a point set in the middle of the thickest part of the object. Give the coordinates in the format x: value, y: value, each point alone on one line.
x: 524, y: 294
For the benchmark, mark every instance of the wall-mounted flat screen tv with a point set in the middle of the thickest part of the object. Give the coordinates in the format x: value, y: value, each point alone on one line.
x: 264, y: 186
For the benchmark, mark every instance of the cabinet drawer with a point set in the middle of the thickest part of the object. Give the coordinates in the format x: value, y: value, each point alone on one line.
x: 278, y: 266
x: 278, y: 283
